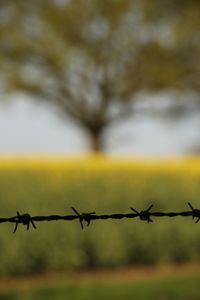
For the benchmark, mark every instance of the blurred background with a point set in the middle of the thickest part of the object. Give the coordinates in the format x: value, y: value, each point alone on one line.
x: 99, y: 95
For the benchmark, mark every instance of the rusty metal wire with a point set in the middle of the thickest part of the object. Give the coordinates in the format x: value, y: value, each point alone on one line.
x: 143, y: 215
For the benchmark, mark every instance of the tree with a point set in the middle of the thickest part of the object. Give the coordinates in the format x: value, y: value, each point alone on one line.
x: 91, y: 58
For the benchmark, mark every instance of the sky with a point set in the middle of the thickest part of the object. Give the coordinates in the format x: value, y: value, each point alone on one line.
x: 26, y: 127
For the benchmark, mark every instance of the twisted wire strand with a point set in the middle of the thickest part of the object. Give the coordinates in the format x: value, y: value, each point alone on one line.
x: 86, y: 218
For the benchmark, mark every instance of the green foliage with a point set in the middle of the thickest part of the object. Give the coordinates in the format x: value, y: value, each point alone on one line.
x: 60, y: 245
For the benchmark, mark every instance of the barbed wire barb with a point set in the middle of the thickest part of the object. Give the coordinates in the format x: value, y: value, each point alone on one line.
x: 195, y: 212
x: 144, y: 215
x: 84, y: 217
x: 24, y: 219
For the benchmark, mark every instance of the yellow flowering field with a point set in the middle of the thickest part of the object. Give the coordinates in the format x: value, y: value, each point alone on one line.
x: 177, y: 163
x: 53, y: 184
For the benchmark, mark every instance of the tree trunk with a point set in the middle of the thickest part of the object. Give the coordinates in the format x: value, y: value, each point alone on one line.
x: 95, y: 130
x: 96, y: 141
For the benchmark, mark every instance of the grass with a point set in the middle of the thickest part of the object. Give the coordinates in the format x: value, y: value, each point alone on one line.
x: 150, y: 286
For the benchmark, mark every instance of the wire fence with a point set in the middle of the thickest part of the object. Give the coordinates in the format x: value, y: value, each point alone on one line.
x: 86, y: 218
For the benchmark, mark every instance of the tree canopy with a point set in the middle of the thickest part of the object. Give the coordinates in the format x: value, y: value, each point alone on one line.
x: 91, y: 58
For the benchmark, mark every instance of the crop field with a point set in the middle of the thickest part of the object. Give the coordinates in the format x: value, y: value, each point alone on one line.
x: 44, y: 186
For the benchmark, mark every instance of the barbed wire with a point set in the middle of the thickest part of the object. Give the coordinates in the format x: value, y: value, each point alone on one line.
x: 86, y: 218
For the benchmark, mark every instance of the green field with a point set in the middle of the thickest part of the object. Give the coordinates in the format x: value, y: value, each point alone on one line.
x: 104, y: 186
x: 172, y: 287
